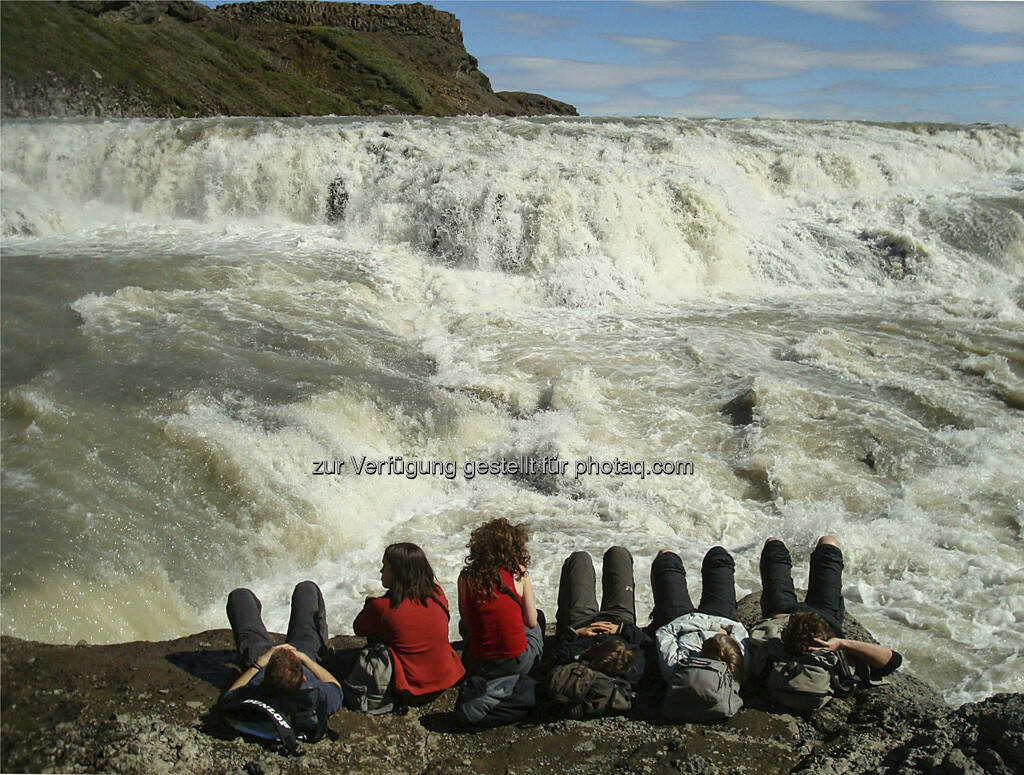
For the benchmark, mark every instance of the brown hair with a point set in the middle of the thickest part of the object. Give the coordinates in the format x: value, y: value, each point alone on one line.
x: 611, y: 656
x: 724, y: 648
x: 493, y: 547
x: 412, y: 574
x: 283, y: 673
x: 801, y: 630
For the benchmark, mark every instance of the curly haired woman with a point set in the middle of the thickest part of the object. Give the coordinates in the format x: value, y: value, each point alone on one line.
x: 499, y: 614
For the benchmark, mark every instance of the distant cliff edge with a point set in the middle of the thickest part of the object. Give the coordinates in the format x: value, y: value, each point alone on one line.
x: 169, y: 59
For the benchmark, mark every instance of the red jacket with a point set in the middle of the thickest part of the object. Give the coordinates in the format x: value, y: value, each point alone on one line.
x: 494, y: 622
x: 417, y: 636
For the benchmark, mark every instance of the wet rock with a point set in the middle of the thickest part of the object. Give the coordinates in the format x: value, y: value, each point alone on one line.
x: 337, y: 200
x: 740, y: 410
x: 107, y: 720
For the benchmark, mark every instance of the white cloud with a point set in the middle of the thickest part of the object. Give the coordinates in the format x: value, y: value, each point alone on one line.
x: 569, y: 74
x: 756, y: 59
x: 654, y: 46
x: 534, y: 25
x: 849, y: 11
x: 987, y: 55
x: 1001, y: 17
x: 733, y: 58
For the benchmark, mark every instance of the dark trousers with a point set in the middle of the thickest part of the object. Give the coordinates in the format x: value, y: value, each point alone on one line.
x: 307, y: 625
x: 577, y: 596
x: 824, y: 583
x: 672, y: 598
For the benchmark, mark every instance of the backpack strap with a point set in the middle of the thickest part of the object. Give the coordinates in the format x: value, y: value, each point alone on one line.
x: 255, y: 717
x: 503, y: 587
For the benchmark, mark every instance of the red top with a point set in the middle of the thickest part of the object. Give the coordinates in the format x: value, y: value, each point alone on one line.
x: 495, y: 622
x: 417, y: 636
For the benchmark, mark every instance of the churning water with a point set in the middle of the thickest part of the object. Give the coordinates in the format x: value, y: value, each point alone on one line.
x: 202, y: 319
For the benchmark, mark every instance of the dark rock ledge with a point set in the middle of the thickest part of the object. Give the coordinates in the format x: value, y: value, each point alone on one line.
x: 144, y: 708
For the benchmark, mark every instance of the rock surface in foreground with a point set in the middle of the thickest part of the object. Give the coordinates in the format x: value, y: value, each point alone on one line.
x: 144, y: 708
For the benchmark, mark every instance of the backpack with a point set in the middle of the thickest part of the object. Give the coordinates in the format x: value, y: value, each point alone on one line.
x: 805, y: 683
x: 368, y: 687
x: 497, y: 701
x: 578, y: 690
x: 701, y: 690
x: 802, y: 683
x: 289, y: 718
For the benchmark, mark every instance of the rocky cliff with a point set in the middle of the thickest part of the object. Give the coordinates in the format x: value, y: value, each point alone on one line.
x: 145, y: 708
x: 168, y: 59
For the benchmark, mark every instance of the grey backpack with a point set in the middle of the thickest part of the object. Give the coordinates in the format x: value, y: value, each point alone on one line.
x: 577, y: 690
x: 801, y: 684
x: 368, y: 687
x: 701, y: 690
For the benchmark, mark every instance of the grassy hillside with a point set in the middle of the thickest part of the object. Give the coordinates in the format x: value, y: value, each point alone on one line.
x: 181, y: 59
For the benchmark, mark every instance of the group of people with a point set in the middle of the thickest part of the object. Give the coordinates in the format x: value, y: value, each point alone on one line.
x: 503, y: 630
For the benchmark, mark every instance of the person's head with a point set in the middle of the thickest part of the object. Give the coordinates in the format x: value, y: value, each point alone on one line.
x: 724, y: 648
x: 406, y: 573
x: 283, y: 674
x: 495, y: 546
x: 611, y: 656
x: 801, y: 630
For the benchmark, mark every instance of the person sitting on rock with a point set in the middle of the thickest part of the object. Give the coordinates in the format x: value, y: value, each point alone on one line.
x: 817, y: 623
x: 499, y: 617
x: 711, y: 630
x: 412, y: 621
x: 281, y: 671
x: 607, y: 638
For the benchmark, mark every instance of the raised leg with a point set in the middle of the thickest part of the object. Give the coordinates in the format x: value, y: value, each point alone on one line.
x: 668, y: 583
x: 577, y: 599
x: 617, y: 596
x: 718, y: 593
x: 307, y: 625
x: 245, y: 615
x: 777, y: 594
x: 825, y: 582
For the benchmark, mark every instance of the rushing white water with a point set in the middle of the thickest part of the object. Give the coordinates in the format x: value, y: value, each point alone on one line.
x: 196, y: 312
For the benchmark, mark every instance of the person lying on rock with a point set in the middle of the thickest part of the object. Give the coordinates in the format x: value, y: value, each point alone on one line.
x: 817, y: 623
x: 285, y: 681
x: 702, y: 651
x: 682, y: 629
x: 581, y: 626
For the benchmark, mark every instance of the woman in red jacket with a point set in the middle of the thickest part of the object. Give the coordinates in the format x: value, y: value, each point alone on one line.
x: 499, y: 614
x: 412, y: 621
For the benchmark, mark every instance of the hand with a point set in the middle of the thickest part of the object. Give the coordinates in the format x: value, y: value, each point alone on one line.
x: 832, y: 644
x: 598, y: 628
x: 264, y: 658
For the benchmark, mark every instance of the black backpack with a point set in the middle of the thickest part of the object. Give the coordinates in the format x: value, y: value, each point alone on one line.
x: 289, y: 718
x: 577, y: 691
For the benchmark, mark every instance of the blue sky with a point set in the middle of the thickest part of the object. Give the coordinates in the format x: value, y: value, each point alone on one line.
x: 885, y: 61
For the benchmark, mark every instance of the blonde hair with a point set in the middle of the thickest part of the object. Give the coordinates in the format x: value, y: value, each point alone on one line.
x: 724, y: 648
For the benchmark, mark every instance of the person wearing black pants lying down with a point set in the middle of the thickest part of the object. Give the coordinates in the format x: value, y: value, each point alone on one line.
x: 711, y: 629
x: 818, y: 621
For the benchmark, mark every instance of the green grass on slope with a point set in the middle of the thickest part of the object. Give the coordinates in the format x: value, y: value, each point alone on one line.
x: 175, y: 66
